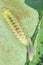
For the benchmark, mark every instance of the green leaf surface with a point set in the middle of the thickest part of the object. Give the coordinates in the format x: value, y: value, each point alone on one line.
x: 36, y: 4
x: 12, y: 51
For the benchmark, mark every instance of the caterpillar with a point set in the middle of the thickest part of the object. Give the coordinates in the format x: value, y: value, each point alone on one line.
x: 14, y: 25
x: 16, y: 28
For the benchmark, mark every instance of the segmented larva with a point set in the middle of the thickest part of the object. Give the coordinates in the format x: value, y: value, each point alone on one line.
x: 14, y: 25
x: 16, y: 28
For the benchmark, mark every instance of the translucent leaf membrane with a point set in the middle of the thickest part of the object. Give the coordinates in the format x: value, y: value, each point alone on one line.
x: 12, y: 51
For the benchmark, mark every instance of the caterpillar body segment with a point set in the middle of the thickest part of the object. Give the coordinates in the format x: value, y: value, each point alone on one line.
x: 13, y: 23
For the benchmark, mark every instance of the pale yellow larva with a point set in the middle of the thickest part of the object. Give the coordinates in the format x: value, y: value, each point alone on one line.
x: 16, y: 28
x: 14, y: 25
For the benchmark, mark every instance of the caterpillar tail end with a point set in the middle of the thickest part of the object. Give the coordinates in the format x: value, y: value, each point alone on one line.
x: 31, y: 55
x: 30, y: 51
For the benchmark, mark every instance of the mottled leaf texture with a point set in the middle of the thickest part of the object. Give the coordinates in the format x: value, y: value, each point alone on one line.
x: 12, y: 51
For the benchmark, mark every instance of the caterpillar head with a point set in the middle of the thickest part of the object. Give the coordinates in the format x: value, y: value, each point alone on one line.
x: 5, y: 11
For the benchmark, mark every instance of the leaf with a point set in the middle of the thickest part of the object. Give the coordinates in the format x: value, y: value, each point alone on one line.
x: 12, y: 51
x: 36, y: 4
